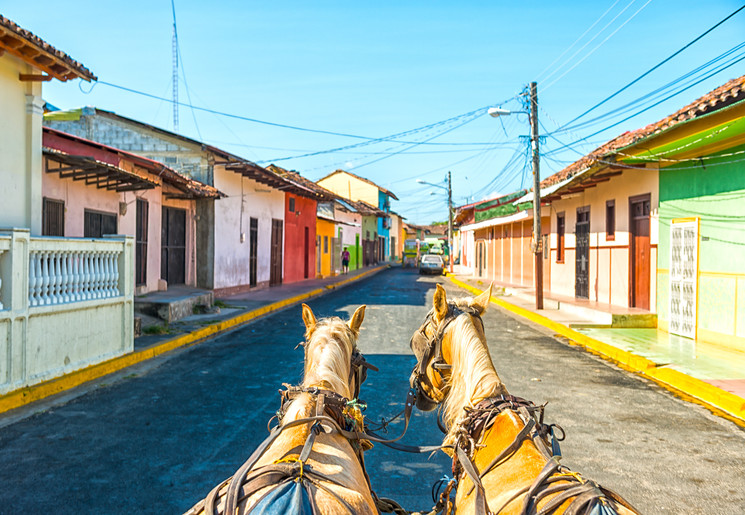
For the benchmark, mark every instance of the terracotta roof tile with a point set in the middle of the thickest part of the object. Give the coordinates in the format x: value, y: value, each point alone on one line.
x: 40, y: 54
x: 723, y: 96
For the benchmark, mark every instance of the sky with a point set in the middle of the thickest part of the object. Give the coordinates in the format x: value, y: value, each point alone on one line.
x: 377, y: 69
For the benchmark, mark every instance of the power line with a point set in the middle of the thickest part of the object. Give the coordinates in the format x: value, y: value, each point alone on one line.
x: 539, y: 77
x: 588, y: 54
x: 294, y: 127
x: 649, y: 107
x: 657, y: 92
x: 640, y: 77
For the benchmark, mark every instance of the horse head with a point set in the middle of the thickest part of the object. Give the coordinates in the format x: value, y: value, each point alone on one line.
x: 331, y: 353
x: 432, y: 345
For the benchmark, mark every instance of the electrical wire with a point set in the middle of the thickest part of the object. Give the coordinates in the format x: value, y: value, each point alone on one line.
x: 539, y: 77
x: 640, y: 77
x: 545, y: 88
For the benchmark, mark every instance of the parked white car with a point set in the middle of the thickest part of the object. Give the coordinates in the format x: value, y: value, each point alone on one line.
x: 431, y: 264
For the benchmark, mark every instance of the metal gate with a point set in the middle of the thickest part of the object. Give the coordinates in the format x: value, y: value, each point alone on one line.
x: 582, y: 259
x: 683, y: 277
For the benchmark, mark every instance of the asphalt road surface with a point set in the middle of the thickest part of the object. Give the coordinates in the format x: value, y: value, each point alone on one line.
x: 157, y: 440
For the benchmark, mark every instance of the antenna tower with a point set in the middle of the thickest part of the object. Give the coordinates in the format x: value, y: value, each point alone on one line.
x: 175, y: 69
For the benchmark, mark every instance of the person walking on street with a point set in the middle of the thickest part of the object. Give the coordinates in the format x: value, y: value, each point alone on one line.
x: 345, y: 261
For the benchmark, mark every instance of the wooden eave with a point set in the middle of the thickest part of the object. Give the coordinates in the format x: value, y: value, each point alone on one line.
x: 41, y: 55
x: 97, y: 173
x: 271, y: 179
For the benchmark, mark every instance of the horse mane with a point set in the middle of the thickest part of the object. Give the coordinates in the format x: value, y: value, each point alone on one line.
x: 472, y: 377
x: 328, y: 354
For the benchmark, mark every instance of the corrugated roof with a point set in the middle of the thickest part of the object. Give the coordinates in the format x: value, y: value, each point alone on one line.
x: 40, y: 54
x: 190, y: 187
x: 368, y: 181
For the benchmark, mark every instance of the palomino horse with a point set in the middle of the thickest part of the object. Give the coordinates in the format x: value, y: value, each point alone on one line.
x: 505, y: 458
x: 312, y: 461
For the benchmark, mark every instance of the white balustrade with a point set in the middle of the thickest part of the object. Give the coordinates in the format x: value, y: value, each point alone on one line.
x: 66, y: 274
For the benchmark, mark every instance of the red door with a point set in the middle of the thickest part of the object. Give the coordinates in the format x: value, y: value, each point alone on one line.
x: 640, y: 267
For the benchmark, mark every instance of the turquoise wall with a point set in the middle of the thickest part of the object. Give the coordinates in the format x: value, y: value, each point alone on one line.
x: 714, y: 191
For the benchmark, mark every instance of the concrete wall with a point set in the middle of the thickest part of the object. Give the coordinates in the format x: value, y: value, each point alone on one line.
x: 609, y: 259
x: 186, y: 157
x: 715, y: 194
x: 351, y: 188
x: 297, y: 257
x: 508, y: 258
x: 245, y: 199
x: 20, y: 146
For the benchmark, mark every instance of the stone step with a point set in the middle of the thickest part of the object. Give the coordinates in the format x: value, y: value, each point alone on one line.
x: 171, y: 309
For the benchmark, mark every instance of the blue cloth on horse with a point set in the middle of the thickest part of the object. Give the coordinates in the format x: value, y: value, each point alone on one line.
x: 602, y: 509
x: 290, y: 498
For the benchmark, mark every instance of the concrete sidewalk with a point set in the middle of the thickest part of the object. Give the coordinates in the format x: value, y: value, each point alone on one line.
x: 236, y: 310
x: 700, y: 371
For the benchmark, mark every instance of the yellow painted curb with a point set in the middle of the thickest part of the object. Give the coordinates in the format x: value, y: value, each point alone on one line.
x: 710, y: 394
x: 30, y: 394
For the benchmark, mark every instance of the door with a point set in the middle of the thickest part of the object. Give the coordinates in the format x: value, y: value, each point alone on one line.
x: 318, y: 255
x: 253, y: 251
x: 173, y: 245
x: 275, y: 271
x: 306, y: 252
x: 141, y: 236
x: 480, y: 258
x: 640, y: 266
x: 582, y: 258
x: 357, y: 253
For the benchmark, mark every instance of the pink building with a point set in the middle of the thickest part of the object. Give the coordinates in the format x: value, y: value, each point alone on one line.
x: 90, y: 189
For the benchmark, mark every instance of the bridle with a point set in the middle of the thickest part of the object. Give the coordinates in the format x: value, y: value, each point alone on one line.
x: 433, y: 348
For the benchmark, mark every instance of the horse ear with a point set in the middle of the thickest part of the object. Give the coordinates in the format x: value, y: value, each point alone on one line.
x: 356, y: 322
x: 481, y: 302
x: 441, y: 302
x: 310, y: 320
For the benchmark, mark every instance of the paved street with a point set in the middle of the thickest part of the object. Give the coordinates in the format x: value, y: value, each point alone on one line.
x: 158, y: 441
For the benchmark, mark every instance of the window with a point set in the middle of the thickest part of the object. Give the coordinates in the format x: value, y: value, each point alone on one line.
x: 96, y: 224
x: 560, y: 224
x: 53, y: 218
x: 292, y: 205
x: 325, y: 244
x: 610, y: 220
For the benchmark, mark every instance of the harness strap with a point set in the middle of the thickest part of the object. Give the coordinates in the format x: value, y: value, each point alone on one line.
x: 509, y: 451
x: 481, y: 504
x: 551, y: 466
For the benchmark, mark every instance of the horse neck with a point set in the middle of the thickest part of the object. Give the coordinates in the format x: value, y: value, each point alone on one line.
x: 327, y: 364
x: 473, y: 376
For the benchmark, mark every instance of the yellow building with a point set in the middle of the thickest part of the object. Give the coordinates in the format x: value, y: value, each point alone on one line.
x: 325, y: 232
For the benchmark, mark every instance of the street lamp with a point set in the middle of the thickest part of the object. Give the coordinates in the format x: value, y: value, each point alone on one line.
x: 537, y: 241
x: 449, y: 189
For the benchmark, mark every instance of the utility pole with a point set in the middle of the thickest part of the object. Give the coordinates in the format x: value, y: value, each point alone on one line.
x: 450, y: 222
x: 537, y: 240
